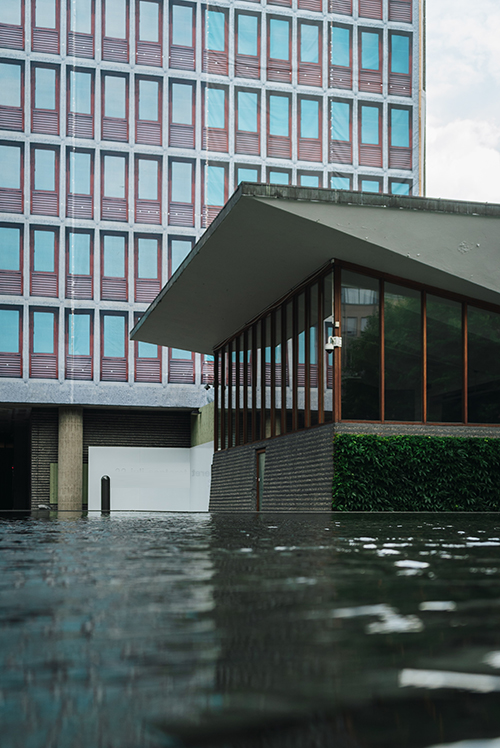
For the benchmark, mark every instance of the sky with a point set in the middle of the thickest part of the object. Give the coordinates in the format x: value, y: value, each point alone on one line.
x: 463, y: 99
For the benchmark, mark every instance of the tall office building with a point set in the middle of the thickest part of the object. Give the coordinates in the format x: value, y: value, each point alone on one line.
x: 125, y: 125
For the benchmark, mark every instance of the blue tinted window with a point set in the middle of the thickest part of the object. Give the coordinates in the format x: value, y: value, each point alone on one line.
x: 148, y: 100
x: 278, y: 115
x: 215, y: 110
x: 341, y: 46
x: 10, y: 12
x: 182, y: 25
x: 148, y: 179
x: 45, y: 166
x: 247, y: 35
x: 179, y: 250
x: 214, y: 32
x: 309, y: 180
x: 247, y: 174
x: 214, y: 185
x: 9, y: 331
x: 400, y: 127
x: 147, y: 350
x: 43, y: 332
x: 10, y: 84
x: 10, y: 173
x: 45, y: 88
x: 113, y: 330
x: 44, y: 251
x: 370, y: 59
x: 400, y: 54
x: 370, y: 125
x: 302, y: 347
x: 79, y: 254
x: 309, y: 118
x: 80, y: 88
x: 247, y: 103
x: 279, y: 177
x: 10, y: 239
x: 79, y: 334
x: 279, y: 32
x: 45, y: 14
x: 180, y: 353
x: 115, y: 96
x: 80, y: 17
x: 400, y: 188
x: 148, y: 21
x: 181, y: 176
x: 79, y: 173
x: 370, y: 185
x: 309, y: 43
x: 340, y: 183
x: 340, y: 120
x: 114, y: 256
x: 147, y: 258
x: 182, y: 104
x: 115, y: 18
x: 114, y: 176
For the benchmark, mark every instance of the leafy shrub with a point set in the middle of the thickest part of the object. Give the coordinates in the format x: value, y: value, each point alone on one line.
x: 416, y: 473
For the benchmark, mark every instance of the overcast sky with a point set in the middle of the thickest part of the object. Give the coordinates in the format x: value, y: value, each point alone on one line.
x: 463, y: 99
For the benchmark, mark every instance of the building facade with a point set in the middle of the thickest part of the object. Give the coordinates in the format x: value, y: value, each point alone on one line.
x: 124, y: 128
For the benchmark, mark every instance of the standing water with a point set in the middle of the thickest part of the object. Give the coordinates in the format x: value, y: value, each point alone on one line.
x: 268, y: 630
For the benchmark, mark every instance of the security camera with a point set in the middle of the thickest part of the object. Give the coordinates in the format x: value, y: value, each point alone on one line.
x: 207, y: 386
x: 333, y: 342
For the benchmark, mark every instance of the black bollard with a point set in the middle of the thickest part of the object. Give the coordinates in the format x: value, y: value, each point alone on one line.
x: 105, y: 494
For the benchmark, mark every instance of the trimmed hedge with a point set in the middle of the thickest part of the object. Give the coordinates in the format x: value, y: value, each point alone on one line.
x: 416, y: 473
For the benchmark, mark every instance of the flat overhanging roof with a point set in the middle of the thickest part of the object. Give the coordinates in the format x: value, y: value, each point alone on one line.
x: 268, y: 239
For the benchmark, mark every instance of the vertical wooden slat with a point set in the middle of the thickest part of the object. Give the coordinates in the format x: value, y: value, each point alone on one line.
x: 223, y: 397
x: 245, y: 387
x: 284, y: 364
x: 295, y: 363
x: 307, y: 357
x: 424, y: 357
x: 216, y: 400
x: 465, y: 357
x: 230, y: 394
x: 263, y: 378
x: 321, y: 351
x: 337, y: 354
x: 237, y: 393
x: 273, y: 373
x: 254, y: 382
x: 382, y: 351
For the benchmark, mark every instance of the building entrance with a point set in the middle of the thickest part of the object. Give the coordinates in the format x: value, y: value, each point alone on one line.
x: 14, y: 459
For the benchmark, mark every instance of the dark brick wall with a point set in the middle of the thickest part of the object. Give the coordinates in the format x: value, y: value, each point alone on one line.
x: 44, y: 428
x: 298, y: 474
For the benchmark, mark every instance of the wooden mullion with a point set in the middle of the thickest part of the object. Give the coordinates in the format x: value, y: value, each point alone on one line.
x: 254, y: 381
x: 307, y: 358
x: 263, y: 378
x: 245, y: 387
x: 229, y: 395
x: 295, y: 363
x: 337, y: 353
x: 465, y: 359
x: 273, y: 374
x: 382, y: 351
x: 321, y: 352
x: 424, y: 357
x: 284, y: 363
x: 223, y: 397
x: 237, y: 393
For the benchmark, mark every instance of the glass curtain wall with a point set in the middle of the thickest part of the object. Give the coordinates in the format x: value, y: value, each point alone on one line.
x: 407, y: 356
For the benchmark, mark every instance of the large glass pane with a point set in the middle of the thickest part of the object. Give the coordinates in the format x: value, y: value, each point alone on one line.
x: 370, y: 59
x: 10, y: 12
x: 44, y: 251
x: 215, y: 107
x: 484, y: 365
x: 309, y: 43
x: 45, y: 88
x: 247, y: 35
x: 148, y: 100
x: 309, y: 118
x: 341, y: 46
x: 9, y: 331
x: 181, y: 354
x: 45, y: 14
x: 340, y: 120
x: 10, y: 242
x: 328, y: 330
x: 245, y: 174
x: 10, y: 84
x: 279, y: 42
x: 277, y: 353
x: 370, y: 134
x: 360, y: 347
x: 400, y: 54
x: 80, y: 92
x: 214, y: 31
x: 444, y: 360
x: 147, y: 350
x: 79, y: 173
x: 400, y: 127
x: 370, y: 185
x: 115, y: 96
x: 43, y: 332
x: 340, y: 183
x: 247, y: 108
x: 214, y: 185
x: 182, y: 181
x: 309, y: 180
x: 182, y: 25
x: 113, y: 248
x: 279, y: 120
x: 45, y: 169
x: 147, y: 258
x: 148, y: 179
x: 279, y: 177
x: 403, y: 353
x: 182, y: 104
x: 115, y: 20
x: 114, y: 176
x: 114, y: 336
x: 79, y: 254
x: 10, y: 173
x: 313, y: 355
x: 80, y: 16
x: 400, y: 188
x: 179, y: 250
x: 149, y: 21
x: 79, y: 334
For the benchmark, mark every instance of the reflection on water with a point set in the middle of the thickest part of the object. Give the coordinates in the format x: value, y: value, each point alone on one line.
x: 268, y: 631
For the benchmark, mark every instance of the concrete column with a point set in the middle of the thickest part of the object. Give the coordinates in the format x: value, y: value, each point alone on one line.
x: 70, y: 459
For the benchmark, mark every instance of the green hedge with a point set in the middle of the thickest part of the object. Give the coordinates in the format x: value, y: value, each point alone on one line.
x: 416, y: 473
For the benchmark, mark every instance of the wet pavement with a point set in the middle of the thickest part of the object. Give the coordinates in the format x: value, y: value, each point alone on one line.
x: 251, y: 631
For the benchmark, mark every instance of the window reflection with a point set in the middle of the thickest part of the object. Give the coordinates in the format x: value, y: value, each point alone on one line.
x: 484, y: 365
x: 444, y: 360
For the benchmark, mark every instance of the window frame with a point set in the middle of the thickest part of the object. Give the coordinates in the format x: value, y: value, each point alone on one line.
x: 398, y: 180
x: 46, y: 121
x: 400, y: 84
x: 11, y: 363
x: 278, y: 170
x: 176, y: 237
x: 115, y: 49
x: 277, y: 69
x: 340, y: 76
x: 146, y: 369
x: 370, y: 154
x: 114, y: 208
x: 44, y: 38
x: 179, y: 58
x: 246, y: 141
x: 372, y: 178
x: 152, y: 52
x: 114, y: 128
x: 44, y: 282
x: 187, y: 377
x: 400, y: 157
x: 340, y: 151
x: 310, y: 73
x: 11, y: 281
x: 12, y: 35
x: 343, y: 175
x: 181, y: 135
x: 279, y: 146
x: 147, y: 289
x: 370, y: 81
x: 79, y: 124
x: 44, y: 202
x: 74, y: 207
x: 310, y: 149
x: 81, y: 365
x: 12, y: 198
x: 153, y: 213
x: 113, y: 288
x: 78, y: 43
x: 48, y: 360
x: 215, y: 61
x: 12, y: 117
x: 239, y: 165
x: 310, y: 173
x: 210, y: 212
x: 215, y: 138
x: 148, y: 132
x: 77, y: 285
x: 185, y: 211
x: 247, y: 66
x: 106, y: 362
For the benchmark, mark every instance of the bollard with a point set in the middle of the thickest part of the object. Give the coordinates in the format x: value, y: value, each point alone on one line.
x: 105, y: 494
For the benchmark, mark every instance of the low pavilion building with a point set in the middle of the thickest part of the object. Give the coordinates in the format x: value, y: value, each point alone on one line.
x: 330, y: 312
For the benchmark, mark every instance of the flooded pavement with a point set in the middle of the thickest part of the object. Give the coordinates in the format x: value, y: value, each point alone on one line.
x: 268, y: 631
